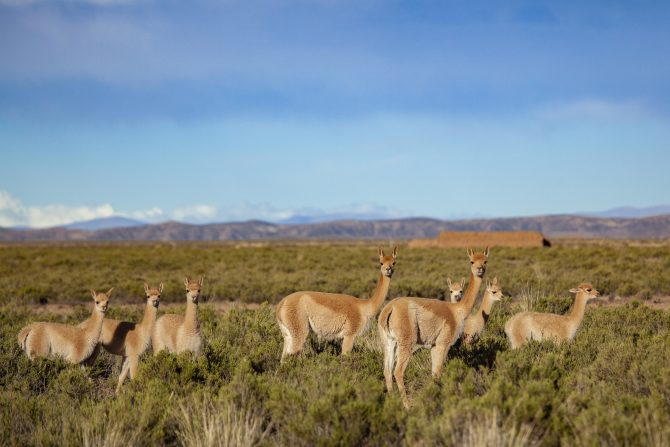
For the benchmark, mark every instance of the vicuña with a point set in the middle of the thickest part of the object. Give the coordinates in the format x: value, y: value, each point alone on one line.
x: 130, y: 340
x: 407, y: 322
x: 331, y: 315
x: 180, y: 333
x: 74, y: 343
x: 526, y: 326
x: 474, y: 324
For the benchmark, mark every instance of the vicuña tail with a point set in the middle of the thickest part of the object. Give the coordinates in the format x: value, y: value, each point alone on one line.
x: 384, y: 318
x: 23, y: 336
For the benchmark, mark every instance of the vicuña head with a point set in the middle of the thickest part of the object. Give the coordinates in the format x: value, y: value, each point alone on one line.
x: 587, y: 290
x: 193, y: 289
x: 478, y: 262
x: 455, y: 290
x: 387, y: 262
x: 153, y: 294
x: 101, y: 300
x: 494, y: 289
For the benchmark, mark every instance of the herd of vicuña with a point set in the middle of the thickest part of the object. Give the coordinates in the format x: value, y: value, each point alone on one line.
x: 404, y: 324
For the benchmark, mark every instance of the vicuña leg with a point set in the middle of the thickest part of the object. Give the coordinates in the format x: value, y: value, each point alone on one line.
x: 124, y: 373
x: 133, y: 363
x: 438, y: 354
x: 404, y: 352
x: 389, y: 361
x: 347, y: 344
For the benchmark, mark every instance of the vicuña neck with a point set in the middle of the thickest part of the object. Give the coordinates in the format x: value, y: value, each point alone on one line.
x: 577, y: 312
x: 379, y: 295
x: 466, y: 304
x: 487, y: 303
x: 95, y: 323
x: 191, y: 316
x: 149, y: 316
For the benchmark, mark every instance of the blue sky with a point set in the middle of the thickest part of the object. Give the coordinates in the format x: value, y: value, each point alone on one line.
x: 207, y: 111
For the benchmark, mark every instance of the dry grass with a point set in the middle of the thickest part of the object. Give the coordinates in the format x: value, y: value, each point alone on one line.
x: 109, y: 434
x: 489, y: 430
x: 529, y: 297
x: 203, y: 422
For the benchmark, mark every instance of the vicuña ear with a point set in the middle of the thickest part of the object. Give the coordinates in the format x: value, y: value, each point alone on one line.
x: 109, y: 292
x: 202, y: 279
x: 93, y: 294
x: 462, y: 282
x: 146, y: 289
x: 495, y: 280
x: 160, y: 288
x: 395, y: 252
x: 574, y: 290
x: 186, y: 281
x: 380, y: 251
x: 471, y: 254
x: 486, y: 251
x: 449, y: 282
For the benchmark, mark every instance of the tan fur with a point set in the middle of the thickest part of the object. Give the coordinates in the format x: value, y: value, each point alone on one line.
x: 180, y: 333
x: 129, y: 340
x: 407, y: 322
x: 455, y: 290
x: 526, y: 326
x: 74, y: 343
x: 474, y: 324
x: 330, y: 315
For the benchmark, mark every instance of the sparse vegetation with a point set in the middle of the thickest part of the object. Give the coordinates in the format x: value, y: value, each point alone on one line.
x: 610, y: 385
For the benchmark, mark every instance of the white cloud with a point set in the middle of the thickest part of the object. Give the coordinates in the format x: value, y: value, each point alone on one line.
x: 150, y: 214
x: 195, y: 213
x: 14, y: 213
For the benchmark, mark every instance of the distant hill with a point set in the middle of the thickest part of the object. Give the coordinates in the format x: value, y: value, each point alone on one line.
x: 104, y: 223
x: 630, y: 211
x: 551, y: 226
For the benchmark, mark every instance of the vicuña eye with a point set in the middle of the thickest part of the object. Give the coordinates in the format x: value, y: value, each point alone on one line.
x: 472, y: 262
x: 588, y: 290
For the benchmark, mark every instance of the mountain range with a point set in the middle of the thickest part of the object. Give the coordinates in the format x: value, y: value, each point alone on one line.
x: 552, y: 226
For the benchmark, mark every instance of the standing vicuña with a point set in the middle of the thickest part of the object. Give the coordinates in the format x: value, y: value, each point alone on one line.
x: 130, y: 340
x: 407, y: 322
x: 474, y: 324
x: 178, y: 333
x: 526, y: 326
x: 331, y: 315
x: 455, y: 290
x: 74, y: 343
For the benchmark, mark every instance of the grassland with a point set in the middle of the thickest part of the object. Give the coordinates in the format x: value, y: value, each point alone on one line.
x: 611, y: 385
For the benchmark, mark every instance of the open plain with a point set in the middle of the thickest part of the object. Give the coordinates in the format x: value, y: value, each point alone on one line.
x: 608, y: 386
